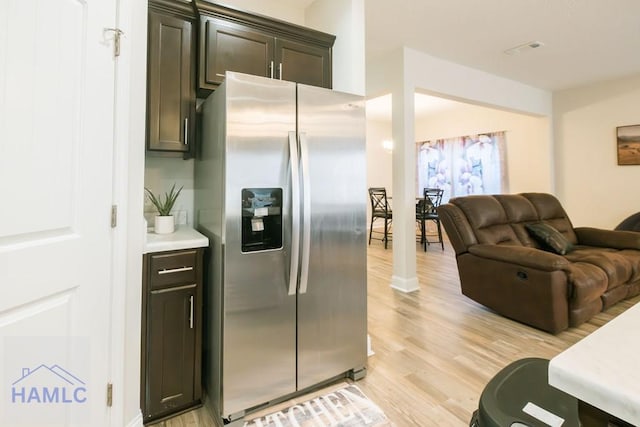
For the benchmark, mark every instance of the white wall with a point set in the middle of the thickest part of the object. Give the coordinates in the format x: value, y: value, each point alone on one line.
x: 285, y: 10
x: 379, y: 159
x: 344, y: 19
x: 594, y: 190
x: 163, y: 172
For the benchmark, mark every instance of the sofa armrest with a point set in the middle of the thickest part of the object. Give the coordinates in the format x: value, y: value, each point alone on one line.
x: 521, y: 255
x: 616, y: 239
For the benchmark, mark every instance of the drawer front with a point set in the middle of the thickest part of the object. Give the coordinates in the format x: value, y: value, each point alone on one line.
x: 172, y: 268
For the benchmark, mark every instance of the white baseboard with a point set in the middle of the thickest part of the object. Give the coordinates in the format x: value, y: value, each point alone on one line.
x: 137, y: 421
x: 405, y: 285
x: 370, y: 351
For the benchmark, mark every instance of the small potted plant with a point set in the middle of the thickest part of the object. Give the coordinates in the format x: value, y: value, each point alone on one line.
x: 164, y: 222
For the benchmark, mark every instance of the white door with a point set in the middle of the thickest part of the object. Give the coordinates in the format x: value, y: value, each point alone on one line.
x: 56, y: 143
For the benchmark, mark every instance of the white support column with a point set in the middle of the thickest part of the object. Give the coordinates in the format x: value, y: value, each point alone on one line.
x: 404, y: 276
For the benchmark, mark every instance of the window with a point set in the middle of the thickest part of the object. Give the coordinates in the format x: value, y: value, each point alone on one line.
x: 473, y: 164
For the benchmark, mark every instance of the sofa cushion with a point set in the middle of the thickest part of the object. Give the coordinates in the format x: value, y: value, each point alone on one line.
x: 619, y: 266
x: 519, y: 211
x: 587, y: 283
x: 551, y: 212
x: 549, y: 237
x: 488, y: 219
x: 634, y: 259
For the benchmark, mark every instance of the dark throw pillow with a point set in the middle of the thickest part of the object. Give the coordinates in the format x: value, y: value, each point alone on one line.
x: 549, y: 237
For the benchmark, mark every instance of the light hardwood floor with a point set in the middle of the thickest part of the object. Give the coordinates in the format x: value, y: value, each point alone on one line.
x: 435, y: 349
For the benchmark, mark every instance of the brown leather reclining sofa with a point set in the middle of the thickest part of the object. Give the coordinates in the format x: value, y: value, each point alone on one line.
x: 550, y: 281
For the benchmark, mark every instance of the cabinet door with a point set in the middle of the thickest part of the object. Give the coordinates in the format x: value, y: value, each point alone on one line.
x: 229, y: 47
x: 171, y: 92
x: 171, y: 350
x: 303, y: 63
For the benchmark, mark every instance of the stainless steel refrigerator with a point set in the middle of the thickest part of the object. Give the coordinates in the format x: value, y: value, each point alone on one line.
x: 280, y: 191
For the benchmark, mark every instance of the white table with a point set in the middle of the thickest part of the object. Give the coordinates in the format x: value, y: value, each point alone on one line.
x: 603, y: 369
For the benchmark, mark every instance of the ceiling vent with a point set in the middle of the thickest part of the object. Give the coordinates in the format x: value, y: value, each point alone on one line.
x: 524, y: 47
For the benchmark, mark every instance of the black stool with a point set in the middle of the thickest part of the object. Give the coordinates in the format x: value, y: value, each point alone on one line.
x: 520, y: 396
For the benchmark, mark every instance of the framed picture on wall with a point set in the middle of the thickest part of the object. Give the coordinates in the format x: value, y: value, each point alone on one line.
x: 628, y: 142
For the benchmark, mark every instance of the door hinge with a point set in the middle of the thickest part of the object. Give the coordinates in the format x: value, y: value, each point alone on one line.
x: 109, y: 394
x: 117, y: 33
x: 114, y: 216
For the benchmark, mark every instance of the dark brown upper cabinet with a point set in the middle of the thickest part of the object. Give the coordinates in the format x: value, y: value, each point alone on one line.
x: 232, y: 47
x: 303, y: 63
x: 232, y: 40
x: 171, y: 96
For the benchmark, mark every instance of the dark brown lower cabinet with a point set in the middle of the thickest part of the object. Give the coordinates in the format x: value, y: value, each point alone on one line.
x: 171, y: 333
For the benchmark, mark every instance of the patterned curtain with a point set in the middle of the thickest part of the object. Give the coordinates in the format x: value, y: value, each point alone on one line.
x: 473, y: 164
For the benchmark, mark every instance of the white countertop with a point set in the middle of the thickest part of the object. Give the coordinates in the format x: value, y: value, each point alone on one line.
x: 183, y: 238
x: 603, y: 368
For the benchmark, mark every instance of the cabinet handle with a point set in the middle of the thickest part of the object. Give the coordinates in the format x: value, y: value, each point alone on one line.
x: 271, y: 69
x: 174, y: 289
x: 175, y: 270
x: 280, y: 67
x: 186, y: 131
x: 191, y: 312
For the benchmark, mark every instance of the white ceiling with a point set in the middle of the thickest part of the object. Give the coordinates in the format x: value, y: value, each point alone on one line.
x: 380, y: 108
x: 584, y: 40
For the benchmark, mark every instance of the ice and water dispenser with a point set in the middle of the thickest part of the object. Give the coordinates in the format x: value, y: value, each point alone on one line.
x: 261, y: 219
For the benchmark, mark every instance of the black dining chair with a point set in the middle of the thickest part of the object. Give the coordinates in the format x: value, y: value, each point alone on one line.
x: 380, y: 209
x: 426, y: 211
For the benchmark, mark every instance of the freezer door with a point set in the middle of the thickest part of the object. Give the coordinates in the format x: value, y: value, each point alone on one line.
x: 259, y: 315
x: 332, y: 318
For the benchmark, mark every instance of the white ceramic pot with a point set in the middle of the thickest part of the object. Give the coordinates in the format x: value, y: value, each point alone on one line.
x: 164, y: 224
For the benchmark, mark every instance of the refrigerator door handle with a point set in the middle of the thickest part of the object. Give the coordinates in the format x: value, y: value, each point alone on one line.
x: 295, y: 213
x: 306, y: 212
